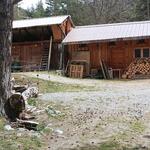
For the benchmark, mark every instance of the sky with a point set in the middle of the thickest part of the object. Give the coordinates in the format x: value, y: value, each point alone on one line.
x: 28, y: 3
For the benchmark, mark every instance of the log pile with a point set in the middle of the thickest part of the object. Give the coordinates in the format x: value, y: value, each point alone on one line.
x: 16, y: 107
x: 139, y: 68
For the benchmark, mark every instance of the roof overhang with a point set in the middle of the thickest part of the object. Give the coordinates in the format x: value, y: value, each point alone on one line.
x: 103, y: 41
x: 108, y: 32
x: 41, y: 22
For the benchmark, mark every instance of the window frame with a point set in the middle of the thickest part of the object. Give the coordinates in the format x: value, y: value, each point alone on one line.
x: 142, y: 52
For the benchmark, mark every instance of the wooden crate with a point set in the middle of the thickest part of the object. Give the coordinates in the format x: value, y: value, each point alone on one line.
x: 76, y: 71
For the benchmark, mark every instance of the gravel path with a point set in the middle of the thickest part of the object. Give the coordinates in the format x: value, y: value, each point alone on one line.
x: 114, y: 106
x: 111, y: 100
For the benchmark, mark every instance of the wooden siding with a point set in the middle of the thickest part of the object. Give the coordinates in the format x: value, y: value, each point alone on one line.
x: 117, y: 56
x: 27, y: 54
x: 31, y: 44
x: 60, y: 31
x: 30, y: 53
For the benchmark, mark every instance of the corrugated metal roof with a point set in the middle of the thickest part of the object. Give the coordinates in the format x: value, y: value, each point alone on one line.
x: 105, y: 32
x: 39, y: 22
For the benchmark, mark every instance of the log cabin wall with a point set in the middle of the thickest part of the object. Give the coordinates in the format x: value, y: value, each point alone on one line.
x: 60, y: 31
x: 116, y: 55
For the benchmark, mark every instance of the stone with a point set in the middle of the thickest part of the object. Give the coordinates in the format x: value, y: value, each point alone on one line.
x: 8, y: 128
x: 58, y: 131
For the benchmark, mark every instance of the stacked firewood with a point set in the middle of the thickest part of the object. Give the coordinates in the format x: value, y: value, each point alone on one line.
x: 139, y: 68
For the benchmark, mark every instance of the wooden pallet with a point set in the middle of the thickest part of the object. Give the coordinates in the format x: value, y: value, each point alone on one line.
x: 76, y: 71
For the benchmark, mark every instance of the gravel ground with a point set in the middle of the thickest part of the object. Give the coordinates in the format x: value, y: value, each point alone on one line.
x: 113, y: 109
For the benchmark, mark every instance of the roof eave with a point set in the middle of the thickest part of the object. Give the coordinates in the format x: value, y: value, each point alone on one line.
x: 67, y: 16
x: 107, y: 40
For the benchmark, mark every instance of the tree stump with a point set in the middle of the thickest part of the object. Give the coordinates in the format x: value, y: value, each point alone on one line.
x: 14, y: 106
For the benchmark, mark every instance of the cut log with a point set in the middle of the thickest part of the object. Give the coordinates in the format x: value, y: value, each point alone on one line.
x: 19, y: 88
x: 25, y: 116
x: 30, y: 92
x: 30, y: 125
x: 14, y: 106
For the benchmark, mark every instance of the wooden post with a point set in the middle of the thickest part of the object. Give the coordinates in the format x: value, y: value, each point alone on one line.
x: 66, y: 70
x: 102, y: 67
x: 63, y: 58
x: 50, y: 51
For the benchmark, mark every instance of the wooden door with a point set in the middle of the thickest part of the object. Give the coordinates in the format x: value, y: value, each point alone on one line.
x: 117, y: 58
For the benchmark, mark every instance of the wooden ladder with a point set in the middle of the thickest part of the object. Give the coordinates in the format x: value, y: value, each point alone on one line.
x: 44, y: 60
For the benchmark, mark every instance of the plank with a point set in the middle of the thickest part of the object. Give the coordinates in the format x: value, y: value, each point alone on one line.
x: 102, y: 67
x: 50, y: 51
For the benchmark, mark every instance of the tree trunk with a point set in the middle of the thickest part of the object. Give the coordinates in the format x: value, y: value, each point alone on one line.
x: 6, y: 15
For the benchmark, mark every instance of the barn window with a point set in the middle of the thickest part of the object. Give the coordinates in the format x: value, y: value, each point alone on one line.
x: 138, y: 53
x: 146, y: 52
x: 142, y: 53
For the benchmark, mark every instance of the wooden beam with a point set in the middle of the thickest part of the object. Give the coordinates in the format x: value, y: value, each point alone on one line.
x: 63, y: 58
x: 102, y: 67
x: 50, y: 51
x: 30, y: 42
x: 62, y: 31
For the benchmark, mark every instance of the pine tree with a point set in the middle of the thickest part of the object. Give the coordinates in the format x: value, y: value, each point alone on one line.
x: 39, y: 10
x: 19, y: 13
x: 36, y: 12
x: 50, y: 7
x: 30, y: 12
x: 142, y: 10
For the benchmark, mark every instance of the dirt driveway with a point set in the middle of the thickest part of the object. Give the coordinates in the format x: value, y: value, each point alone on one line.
x: 114, y: 115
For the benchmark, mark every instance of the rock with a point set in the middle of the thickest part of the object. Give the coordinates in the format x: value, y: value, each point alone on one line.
x: 30, y: 109
x: 8, y: 128
x: 22, y: 129
x: 52, y: 112
x: 58, y: 131
x: 19, y: 134
x: 34, y: 134
x: 49, y: 125
x: 38, y: 112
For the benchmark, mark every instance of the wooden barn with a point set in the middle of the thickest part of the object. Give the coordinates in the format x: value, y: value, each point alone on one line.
x: 37, y: 42
x: 112, y: 49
